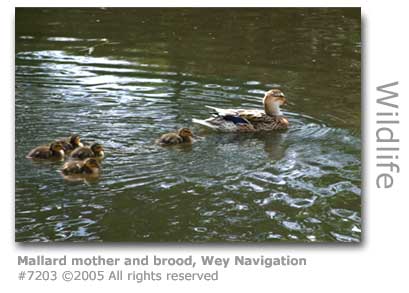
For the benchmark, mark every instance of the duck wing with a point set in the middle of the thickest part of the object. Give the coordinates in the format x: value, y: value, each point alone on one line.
x: 237, y: 115
x: 227, y: 120
x: 251, y: 115
x: 225, y: 124
x: 262, y: 121
x: 170, y: 138
x: 267, y: 122
x: 41, y: 152
x: 72, y: 168
x: 82, y: 153
x: 223, y: 112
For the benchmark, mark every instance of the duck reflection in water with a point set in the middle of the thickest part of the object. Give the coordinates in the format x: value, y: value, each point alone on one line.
x: 273, y: 142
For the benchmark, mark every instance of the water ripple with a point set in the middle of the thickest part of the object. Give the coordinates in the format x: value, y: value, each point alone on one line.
x: 300, y: 185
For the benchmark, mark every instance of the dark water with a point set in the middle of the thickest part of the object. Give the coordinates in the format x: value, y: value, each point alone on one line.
x: 123, y: 77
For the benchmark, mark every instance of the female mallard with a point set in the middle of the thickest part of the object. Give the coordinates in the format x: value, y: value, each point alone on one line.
x: 54, y: 151
x: 243, y: 120
x: 96, y: 150
x: 70, y: 144
x: 87, y: 167
x: 184, y: 135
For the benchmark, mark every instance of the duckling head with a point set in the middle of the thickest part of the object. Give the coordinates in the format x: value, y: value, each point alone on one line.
x: 98, y: 149
x: 75, y: 140
x: 57, y: 147
x: 92, y: 163
x: 185, y: 133
x: 272, y: 101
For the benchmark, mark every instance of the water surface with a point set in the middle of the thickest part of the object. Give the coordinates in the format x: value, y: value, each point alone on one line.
x: 123, y: 77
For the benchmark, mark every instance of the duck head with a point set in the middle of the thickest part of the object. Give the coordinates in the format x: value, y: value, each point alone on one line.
x: 272, y: 101
x: 98, y: 149
x: 75, y: 140
x: 185, y: 133
x: 57, y: 147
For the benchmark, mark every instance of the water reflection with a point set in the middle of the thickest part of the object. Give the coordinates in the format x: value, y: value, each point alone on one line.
x: 150, y: 72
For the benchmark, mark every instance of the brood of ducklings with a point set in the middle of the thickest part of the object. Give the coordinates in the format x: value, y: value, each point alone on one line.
x: 54, y: 151
x: 184, y: 135
x: 249, y: 120
x: 70, y: 144
x: 96, y: 150
x: 87, y: 167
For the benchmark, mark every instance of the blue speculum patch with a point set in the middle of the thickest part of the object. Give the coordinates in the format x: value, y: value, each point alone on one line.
x: 235, y: 119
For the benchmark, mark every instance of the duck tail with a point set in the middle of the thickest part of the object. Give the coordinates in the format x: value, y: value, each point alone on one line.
x: 205, y: 123
x: 213, y: 108
x: 222, y: 112
x: 219, y: 111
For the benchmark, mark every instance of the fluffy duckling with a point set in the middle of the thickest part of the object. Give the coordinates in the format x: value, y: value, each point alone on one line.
x: 184, y: 135
x: 70, y: 144
x: 248, y: 120
x: 87, y: 167
x: 55, y: 151
x: 96, y: 150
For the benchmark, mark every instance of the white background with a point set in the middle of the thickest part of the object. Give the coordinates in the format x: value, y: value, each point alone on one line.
x: 379, y: 263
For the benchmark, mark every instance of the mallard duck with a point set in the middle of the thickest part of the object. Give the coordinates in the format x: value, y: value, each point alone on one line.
x: 243, y: 120
x: 70, y: 144
x: 87, y: 167
x: 184, y: 135
x: 96, y: 150
x: 54, y: 151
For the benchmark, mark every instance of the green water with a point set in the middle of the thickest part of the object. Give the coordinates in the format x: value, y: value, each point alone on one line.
x: 123, y: 77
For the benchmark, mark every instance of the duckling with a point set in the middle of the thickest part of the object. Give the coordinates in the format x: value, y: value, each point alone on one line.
x: 54, y: 151
x: 87, y: 167
x: 184, y: 135
x: 249, y: 120
x: 70, y: 144
x: 96, y: 150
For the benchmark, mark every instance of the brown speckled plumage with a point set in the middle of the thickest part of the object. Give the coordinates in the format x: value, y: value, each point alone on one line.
x: 86, y: 167
x: 53, y: 152
x: 96, y: 150
x: 184, y: 135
